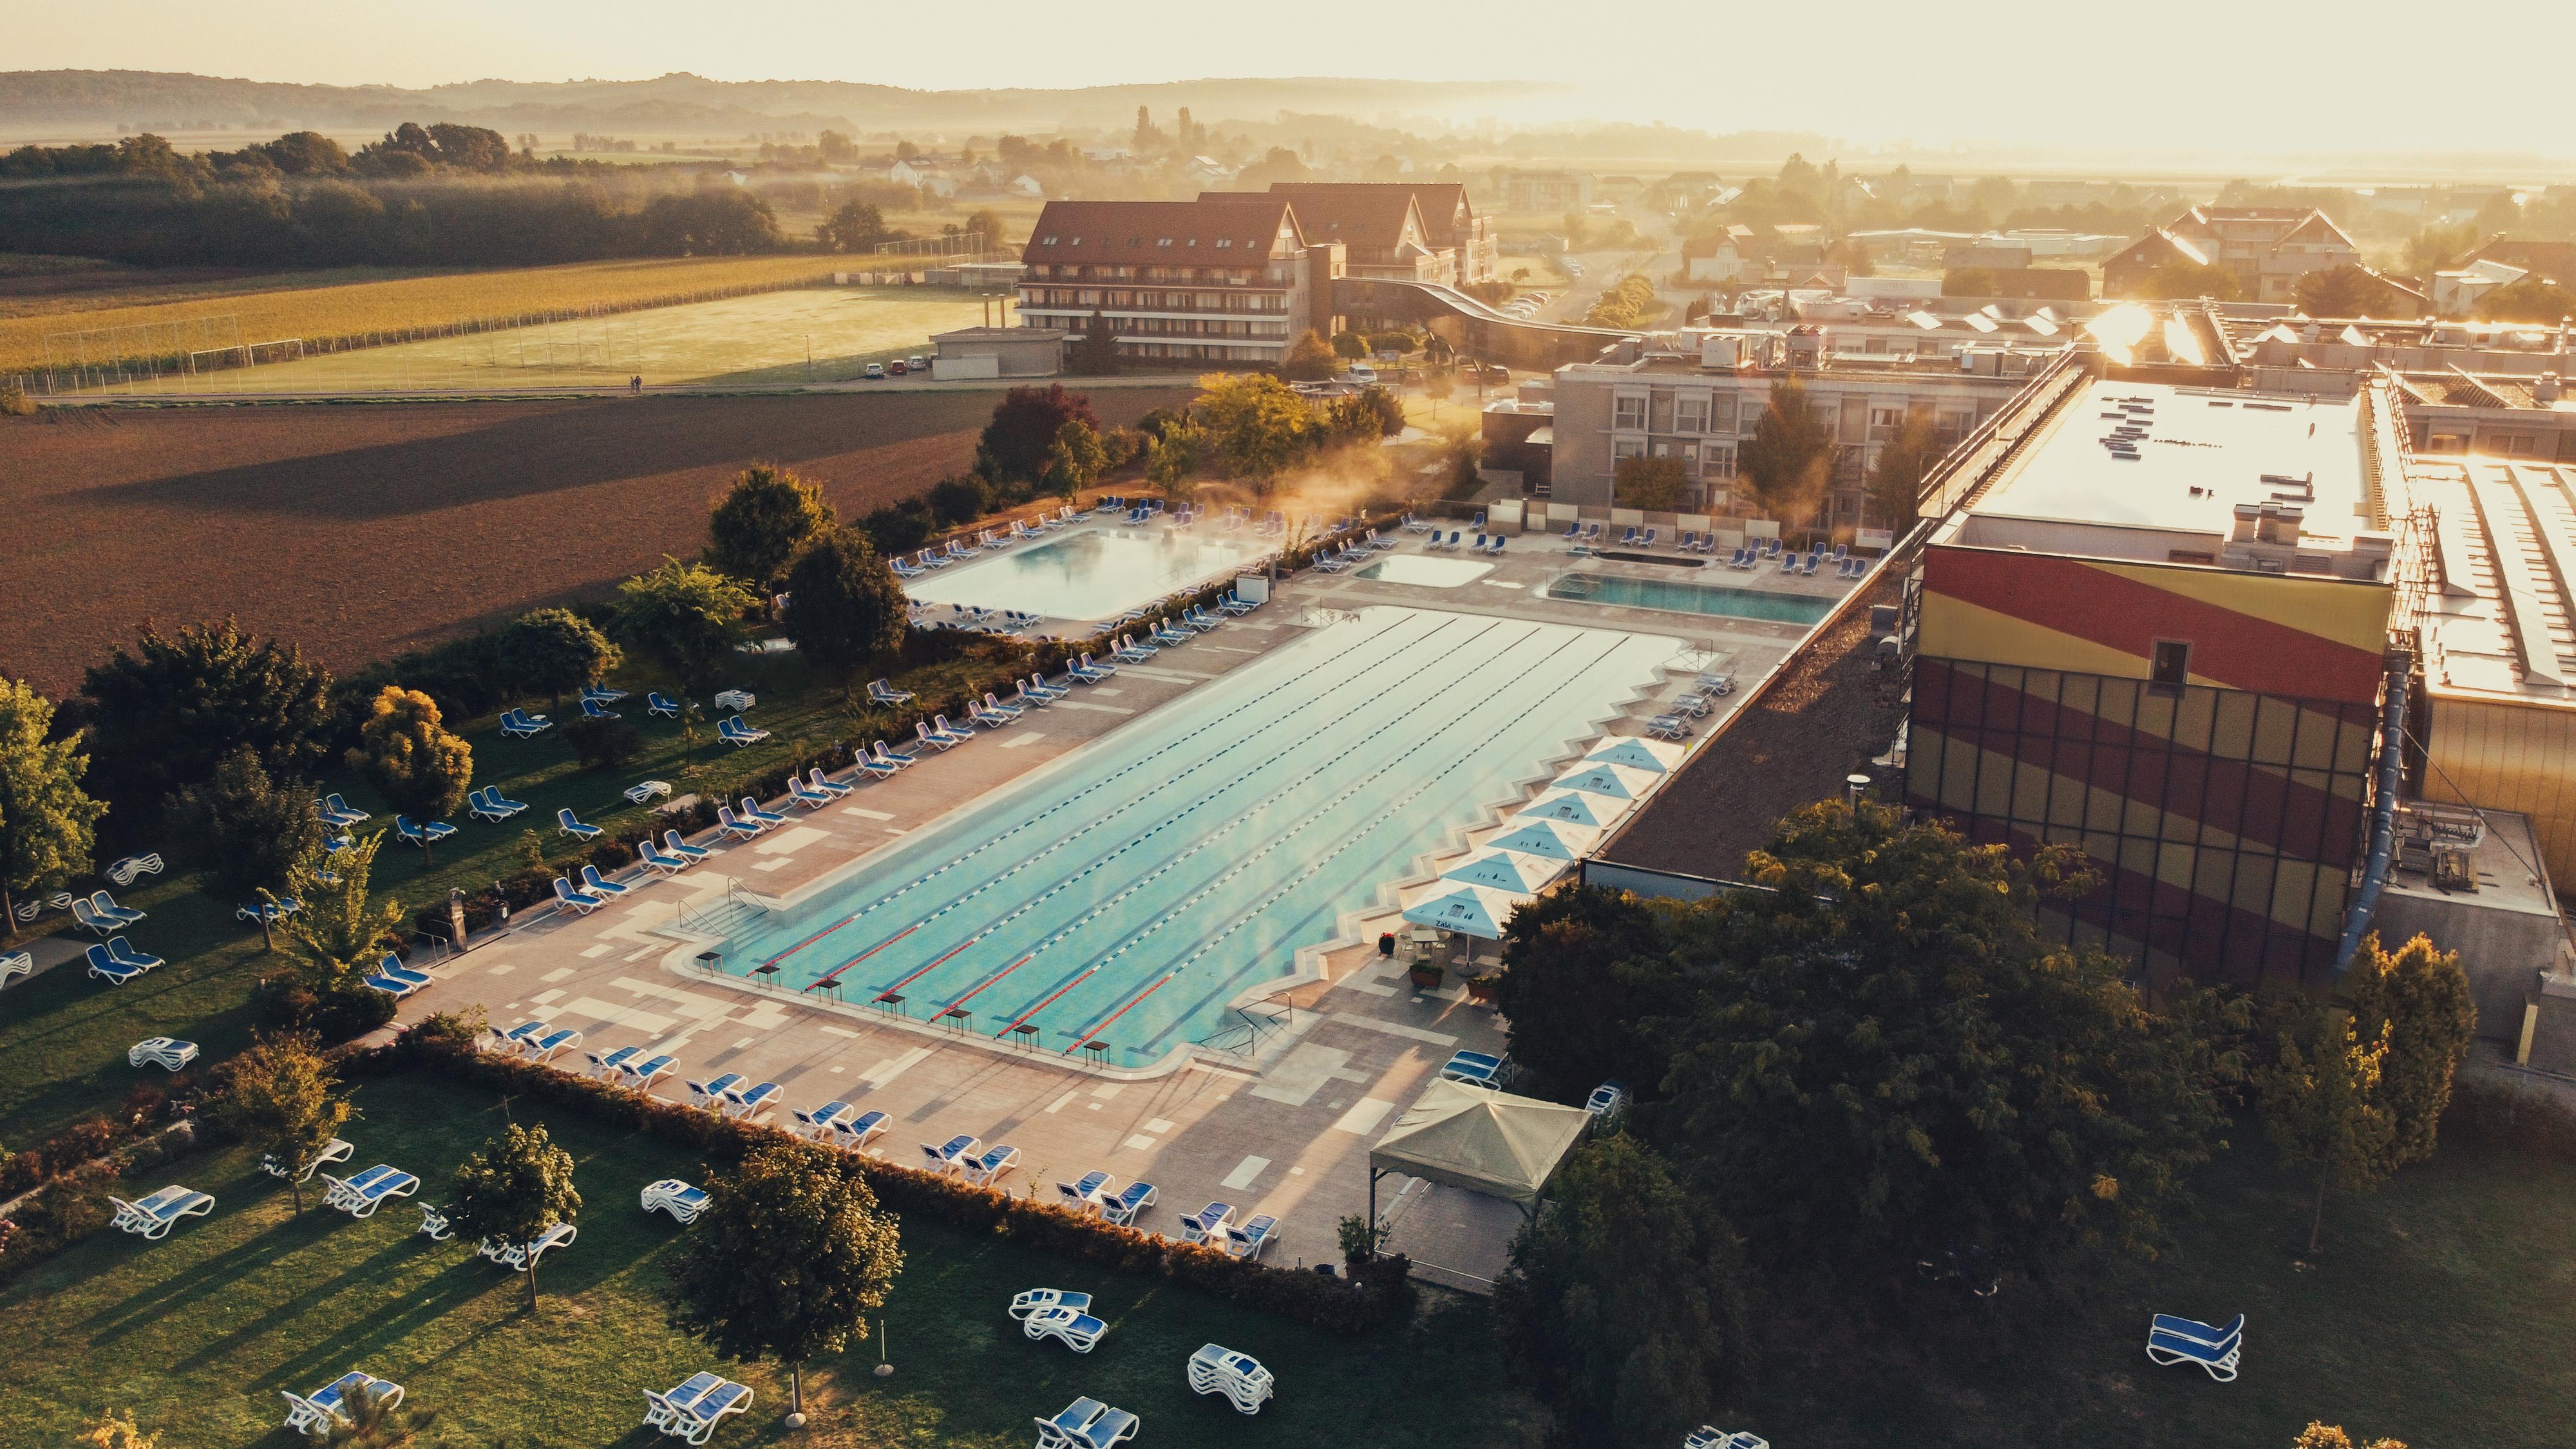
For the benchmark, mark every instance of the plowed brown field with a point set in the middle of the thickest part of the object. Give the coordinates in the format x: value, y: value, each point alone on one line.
x: 359, y: 531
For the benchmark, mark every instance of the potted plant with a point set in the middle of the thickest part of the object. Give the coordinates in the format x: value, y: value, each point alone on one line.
x: 1482, y: 989
x: 1426, y: 974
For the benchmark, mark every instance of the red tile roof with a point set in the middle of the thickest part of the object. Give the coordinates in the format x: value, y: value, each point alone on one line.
x: 1215, y: 229
x: 1369, y: 213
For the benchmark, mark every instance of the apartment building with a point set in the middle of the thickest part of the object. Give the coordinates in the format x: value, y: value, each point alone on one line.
x: 1527, y: 191
x: 1228, y: 279
x: 2161, y: 636
x: 2268, y: 248
x: 1698, y: 394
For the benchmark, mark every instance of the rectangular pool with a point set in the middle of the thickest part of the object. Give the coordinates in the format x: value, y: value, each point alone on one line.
x: 1096, y: 571
x: 1430, y: 573
x: 1680, y: 597
x: 1117, y: 904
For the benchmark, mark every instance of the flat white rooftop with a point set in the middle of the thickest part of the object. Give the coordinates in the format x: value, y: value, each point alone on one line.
x: 2145, y: 470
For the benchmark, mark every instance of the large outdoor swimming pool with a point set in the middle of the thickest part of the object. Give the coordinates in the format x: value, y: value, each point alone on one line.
x: 1689, y: 598
x: 1128, y: 895
x: 1096, y: 571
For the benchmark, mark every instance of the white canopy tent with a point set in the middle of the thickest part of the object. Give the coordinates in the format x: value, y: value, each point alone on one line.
x: 1503, y: 870
x: 1480, y: 1140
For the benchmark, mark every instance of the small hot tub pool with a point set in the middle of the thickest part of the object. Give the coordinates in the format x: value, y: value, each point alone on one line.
x: 1429, y: 573
x: 1681, y: 597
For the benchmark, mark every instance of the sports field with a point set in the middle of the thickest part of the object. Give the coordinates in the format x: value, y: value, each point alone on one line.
x: 818, y: 334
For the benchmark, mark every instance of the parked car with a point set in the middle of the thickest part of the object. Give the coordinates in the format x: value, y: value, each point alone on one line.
x: 876, y: 372
x: 897, y: 367
x: 917, y: 364
x: 1363, y: 374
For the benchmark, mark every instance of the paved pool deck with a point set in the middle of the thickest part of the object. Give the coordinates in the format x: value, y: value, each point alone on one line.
x: 1283, y: 1127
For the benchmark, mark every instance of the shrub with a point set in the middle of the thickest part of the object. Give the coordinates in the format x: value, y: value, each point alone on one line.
x: 14, y: 402
x: 603, y: 744
x: 961, y: 499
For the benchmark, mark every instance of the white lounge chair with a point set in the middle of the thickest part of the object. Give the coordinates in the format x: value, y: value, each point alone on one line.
x: 1038, y: 1299
x: 948, y: 1155
x: 361, y: 1195
x: 640, y: 1076
x: 1083, y: 1196
x: 654, y: 859
x: 153, y: 1216
x: 1208, y: 1222
x: 566, y: 824
x: 108, y: 968
x: 696, y: 1423
x: 601, y: 886
x: 1080, y: 1331
x: 17, y: 963
x: 857, y: 1132
x: 433, y: 1223
x: 2215, y: 1348
x: 605, y: 1066
x: 681, y: 850
x: 335, y: 1150
x: 991, y: 1167
x: 711, y: 1094
x: 1249, y: 1240
x: 1216, y: 1369
x: 747, y: 1103
x: 553, y: 1044
x: 1127, y: 1205
x: 520, y: 1257
x: 1071, y: 1427
x: 662, y: 1409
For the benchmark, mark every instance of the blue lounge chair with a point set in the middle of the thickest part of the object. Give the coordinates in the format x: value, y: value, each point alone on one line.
x: 1080, y: 1331
x: 607, y: 1065
x: 904, y: 569
x: 710, y: 1094
x: 882, y: 691
x: 682, y: 1201
x: 478, y: 804
x: 329, y: 1407
x: 1124, y: 1208
x: 737, y: 829
x: 492, y: 795
x: 825, y: 783
x: 602, y: 693
x: 942, y: 741
x: 949, y: 1154
x: 361, y: 1195
x: 153, y: 1216
x: 876, y: 769
x: 806, y: 795
x: 681, y: 850
x: 883, y: 756
x: 593, y: 709
x: 508, y: 1042
x: 581, y: 901
x: 108, y: 968
x: 659, y: 706
x: 751, y: 810
x: 2215, y: 1348
x: 425, y: 832
x: 1248, y: 1241
x: 599, y: 885
x: 747, y: 1103
x: 519, y: 724
x: 1235, y: 606
x: 123, y: 953
x: 1207, y: 1223
x: 107, y: 908
x: 1082, y: 1196
x: 392, y: 986
x: 642, y: 1075
x: 857, y: 1132
x: 737, y: 734
x: 565, y: 823
x: 1649, y: 540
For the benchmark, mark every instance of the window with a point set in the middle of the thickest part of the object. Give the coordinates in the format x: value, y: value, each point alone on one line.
x: 1162, y: 241
x: 1049, y: 241
x: 1690, y: 413
x: 1077, y: 241
x: 1628, y: 412
x: 1225, y: 241
x: 2171, y: 668
x: 1625, y: 448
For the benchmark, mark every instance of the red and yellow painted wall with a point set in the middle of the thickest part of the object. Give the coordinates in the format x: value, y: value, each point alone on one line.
x: 2225, y: 814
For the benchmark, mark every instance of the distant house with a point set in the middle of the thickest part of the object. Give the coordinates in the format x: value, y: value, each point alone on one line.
x: 2267, y: 248
x: 1527, y: 191
x: 2458, y: 290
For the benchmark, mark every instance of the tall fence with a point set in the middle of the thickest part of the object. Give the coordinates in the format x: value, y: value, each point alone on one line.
x: 161, y: 355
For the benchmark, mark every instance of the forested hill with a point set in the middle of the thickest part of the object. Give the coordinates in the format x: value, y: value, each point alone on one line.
x: 681, y: 102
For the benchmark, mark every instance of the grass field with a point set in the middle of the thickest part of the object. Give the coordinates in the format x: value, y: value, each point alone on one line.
x: 363, y: 306
x: 762, y: 338
x: 198, y: 1334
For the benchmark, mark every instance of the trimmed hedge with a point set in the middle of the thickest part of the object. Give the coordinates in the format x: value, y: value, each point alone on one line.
x: 1382, y: 1289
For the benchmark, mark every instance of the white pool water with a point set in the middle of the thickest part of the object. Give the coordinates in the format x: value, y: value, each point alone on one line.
x: 1095, y: 571
x: 1430, y: 573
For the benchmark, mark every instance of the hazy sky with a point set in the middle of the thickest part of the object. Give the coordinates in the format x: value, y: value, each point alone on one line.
x: 2263, y: 76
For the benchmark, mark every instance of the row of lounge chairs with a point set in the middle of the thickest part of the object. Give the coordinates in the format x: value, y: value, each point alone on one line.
x: 691, y: 1411
x: 1492, y: 546
x: 100, y: 913
x: 118, y: 961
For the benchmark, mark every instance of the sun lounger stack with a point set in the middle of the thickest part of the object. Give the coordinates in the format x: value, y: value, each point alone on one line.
x: 17, y: 963
x: 125, y: 872
x: 679, y: 1200
x: 1708, y: 1436
x: 331, y: 1406
x: 1086, y: 1424
x: 692, y: 1411
x: 161, y: 1051
x: 1215, y: 1369
x: 153, y: 1217
x: 1078, y: 1330
x: 2215, y: 1348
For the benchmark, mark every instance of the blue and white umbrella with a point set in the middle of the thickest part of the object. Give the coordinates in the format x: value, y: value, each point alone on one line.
x: 1505, y: 871
x: 1468, y: 909
x: 1656, y: 757
x: 1574, y: 808
x: 1619, y: 782
x: 1547, y: 839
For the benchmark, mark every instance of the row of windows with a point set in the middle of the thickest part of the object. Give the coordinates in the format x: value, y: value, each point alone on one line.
x: 1126, y: 327
x: 1189, y: 276
x: 1154, y: 301
x: 1857, y: 418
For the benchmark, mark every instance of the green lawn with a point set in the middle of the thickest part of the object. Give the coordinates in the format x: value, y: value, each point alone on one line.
x: 2439, y: 1315
x: 198, y: 1333
x: 63, y: 1035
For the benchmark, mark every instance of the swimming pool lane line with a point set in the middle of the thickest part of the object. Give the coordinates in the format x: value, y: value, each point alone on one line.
x: 1112, y: 778
x: 1229, y: 988
x: 828, y: 976
x: 989, y: 980
x: 1251, y: 810
x: 908, y: 980
x: 1139, y: 801
x: 1313, y: 868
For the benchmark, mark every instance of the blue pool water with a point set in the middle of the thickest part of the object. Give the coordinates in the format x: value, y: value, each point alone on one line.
x: 1131, y: 892
x: 1095, y: 571
x: 1683, y: 597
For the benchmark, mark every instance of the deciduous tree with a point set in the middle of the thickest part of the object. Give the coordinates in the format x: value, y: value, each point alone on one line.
x: 340, y: 930
x: 1310, y: 359
x: 1896, y: 477
x: 169, y: 708
x: 410, y: 758
x: 2532, y: 299
x: 281, y: 1099
x: 1888, y: 1046
x: 1625, y: 1306
x: 555, y: 650
x: 47, y: 823
x: 518, y: 1186
x: 755, y: 530
x: 1258, y: 426
x: 1658, y: 485
x: 1585, y: 969
x: 844, y: 605
x: 1077, y: 458
x: 787, y: 1260
x: 1018, y: 440
x: 684, y: 617
x: 2321, y: 1107
x: 253, y: 830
